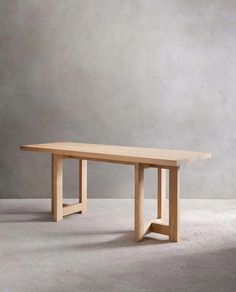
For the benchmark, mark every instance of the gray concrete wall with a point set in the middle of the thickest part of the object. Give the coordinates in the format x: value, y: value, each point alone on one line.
x: 142, y: 73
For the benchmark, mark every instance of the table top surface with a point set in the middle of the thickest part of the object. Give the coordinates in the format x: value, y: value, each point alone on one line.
x: 119, y: 154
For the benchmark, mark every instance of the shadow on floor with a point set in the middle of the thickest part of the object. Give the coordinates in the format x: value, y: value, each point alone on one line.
x: 120, y: 238
x: 29, y: 217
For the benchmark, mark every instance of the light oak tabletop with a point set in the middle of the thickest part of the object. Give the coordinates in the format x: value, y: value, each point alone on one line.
x: 119, y: 154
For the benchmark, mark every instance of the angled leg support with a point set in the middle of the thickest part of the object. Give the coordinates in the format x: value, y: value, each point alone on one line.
x: 171, y: 230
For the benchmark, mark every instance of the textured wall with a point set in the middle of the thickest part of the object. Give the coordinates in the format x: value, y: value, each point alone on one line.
x: 143, y: 73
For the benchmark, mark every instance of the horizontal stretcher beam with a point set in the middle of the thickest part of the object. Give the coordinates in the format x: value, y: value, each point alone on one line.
x: 160, y: 228
x: 70, y: 209
x: 156, y: 226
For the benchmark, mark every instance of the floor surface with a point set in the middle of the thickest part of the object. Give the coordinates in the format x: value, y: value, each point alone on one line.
x: 96, y: 251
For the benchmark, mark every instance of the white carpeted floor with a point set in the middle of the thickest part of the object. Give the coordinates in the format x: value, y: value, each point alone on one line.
x: 96, y: 251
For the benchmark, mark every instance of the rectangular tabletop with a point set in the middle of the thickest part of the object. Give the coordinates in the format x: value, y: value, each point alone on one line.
x: 119, y: 154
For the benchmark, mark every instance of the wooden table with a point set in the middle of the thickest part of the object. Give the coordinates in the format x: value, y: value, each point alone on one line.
x: 161, y: 159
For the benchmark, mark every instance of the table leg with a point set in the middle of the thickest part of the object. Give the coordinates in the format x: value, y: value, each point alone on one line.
x: 83, y: 185
x: 57, y: 187
x: 139, y: 197
x: 52, y: 183
x: 161, y: 192
x: 174, y: 204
